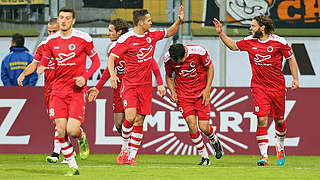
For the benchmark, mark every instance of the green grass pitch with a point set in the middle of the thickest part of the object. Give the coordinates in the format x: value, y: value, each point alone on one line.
x: 103, y: 166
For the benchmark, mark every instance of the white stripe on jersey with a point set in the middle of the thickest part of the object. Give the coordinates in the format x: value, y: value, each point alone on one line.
x: 166, y: 57
x: 196, y: 50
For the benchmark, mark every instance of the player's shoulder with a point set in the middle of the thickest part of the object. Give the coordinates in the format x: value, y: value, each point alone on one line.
x: 80, y: 34
x: 166, y: 57
x: 126, y: 36
x: 50, y: 38
x: 112, y: 45
x: 277, y: 38
x: 248, y: 38
x: 196, y: 49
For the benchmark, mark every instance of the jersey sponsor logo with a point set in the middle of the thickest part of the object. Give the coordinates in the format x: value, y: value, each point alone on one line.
x: 144, y: 52
x: 260, y: 58
x: 121, y: 66
x: 65, y: 57
x: 72, y: 47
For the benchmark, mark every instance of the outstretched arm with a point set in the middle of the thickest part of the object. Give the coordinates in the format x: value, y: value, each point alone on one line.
x: 27, y: 71
x: 225, y: 39
x: 173, y: 29
x: 294, y: 71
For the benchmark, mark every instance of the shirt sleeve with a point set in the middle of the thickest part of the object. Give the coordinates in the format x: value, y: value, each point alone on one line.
x: 156, y: 72
x: 92, y: 53
x: 34, y: 76
x: 119, y: 49
x: 286, y: 51
x: 104, y: 78
x: 4, y: 74
x: 37, y: 57
x: 243, y: 45
x: 159, y: 35
x: 205, y: 60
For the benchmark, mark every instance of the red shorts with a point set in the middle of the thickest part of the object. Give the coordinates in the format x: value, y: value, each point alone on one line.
x: 68, y: 106
x: 117, y: 101
x: 269, y: 103
x: 139, y: 97
x: 47, y: 96
x: 195, y: 107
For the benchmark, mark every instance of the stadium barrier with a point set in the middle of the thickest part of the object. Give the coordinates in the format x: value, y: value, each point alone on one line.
x: 25, y: 127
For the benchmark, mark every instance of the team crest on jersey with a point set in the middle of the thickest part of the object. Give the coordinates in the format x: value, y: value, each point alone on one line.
x: 192, y: 64
x: 148, y: 39
x: 270, y: 49
x: 72, y: 47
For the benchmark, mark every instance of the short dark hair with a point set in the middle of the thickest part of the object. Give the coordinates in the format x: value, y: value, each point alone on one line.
x: 177, y: 52
x: 120, y: 24
x: 266, y: 21
x: 138, y: 15
x: 18, y: 39
x: 68, y: 9
x: 53, y: 21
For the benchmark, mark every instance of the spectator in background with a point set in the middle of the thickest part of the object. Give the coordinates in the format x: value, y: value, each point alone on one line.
x: 15, y: 62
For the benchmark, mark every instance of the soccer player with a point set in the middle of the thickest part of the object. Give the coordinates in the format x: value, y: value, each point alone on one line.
x: 116, y: 28
x: 69, y: 47
x: 190, y: 89
x: 49, y: 76
x: 266, y: 51
x: 137, y: 48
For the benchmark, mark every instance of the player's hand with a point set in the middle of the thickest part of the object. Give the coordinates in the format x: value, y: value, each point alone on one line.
x: 173, y: 97
x: 92, y: 94
x: 20, y: 79
x: 217, y: 25
x: 162, y: 90
x: 114, y: 81
x: 205, y: 96
x: 41, y: 69
x: 181, y: 13
x: 295, y: 84
x: 80, y: 81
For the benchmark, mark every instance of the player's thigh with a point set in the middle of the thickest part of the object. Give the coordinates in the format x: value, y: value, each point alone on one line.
x: 118, y: 119
x: 73, y: 127
x: 77, y: 106
x: 186, y: 108
x: 278, y: 101
x: 192, y: 123
x: 261, y: 101
x: 144, y: 103
x: 129, y: 97
x: 130, y: 114
x: 58, y: 107
x: 117, y: 102
x: 61, y: 125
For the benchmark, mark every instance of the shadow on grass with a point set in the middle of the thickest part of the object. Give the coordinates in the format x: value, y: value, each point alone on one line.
x: 36, y: 171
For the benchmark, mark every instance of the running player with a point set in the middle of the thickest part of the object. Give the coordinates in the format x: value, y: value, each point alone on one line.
x: 190, y: 89
x: 266, y: 51
x: 69, y: 47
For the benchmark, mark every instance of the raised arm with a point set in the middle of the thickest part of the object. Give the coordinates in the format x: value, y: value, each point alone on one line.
x: 225, y: 39
x: 294, y: 71
x: 173, y: 29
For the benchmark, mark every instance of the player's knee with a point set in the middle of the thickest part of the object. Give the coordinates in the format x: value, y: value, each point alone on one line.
x: 119, y: 128
x: 262, y: 121
x: 204, y: 128
x: 72, y: 132
x: 61, y: 132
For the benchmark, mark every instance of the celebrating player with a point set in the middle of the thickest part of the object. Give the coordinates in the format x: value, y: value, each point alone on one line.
x: 70, y: 48
x: 266, y: 51
x: 191, y: 91
x: 137, y: 47
x: 116, y: 28
x: 49, y: 76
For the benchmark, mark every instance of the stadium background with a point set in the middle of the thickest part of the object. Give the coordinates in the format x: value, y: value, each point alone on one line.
x: 165, y: 130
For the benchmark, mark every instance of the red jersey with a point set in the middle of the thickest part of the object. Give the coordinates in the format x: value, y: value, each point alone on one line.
x: 71, y: 54
x: 49, y: 73
x: 266, y: 60
x: 120, y: 69
x: 137, y: 51
x: 191, y: 75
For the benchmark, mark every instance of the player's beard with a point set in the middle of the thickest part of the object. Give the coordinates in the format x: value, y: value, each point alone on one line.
x: 66, y: 29
x: 258, y: 34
